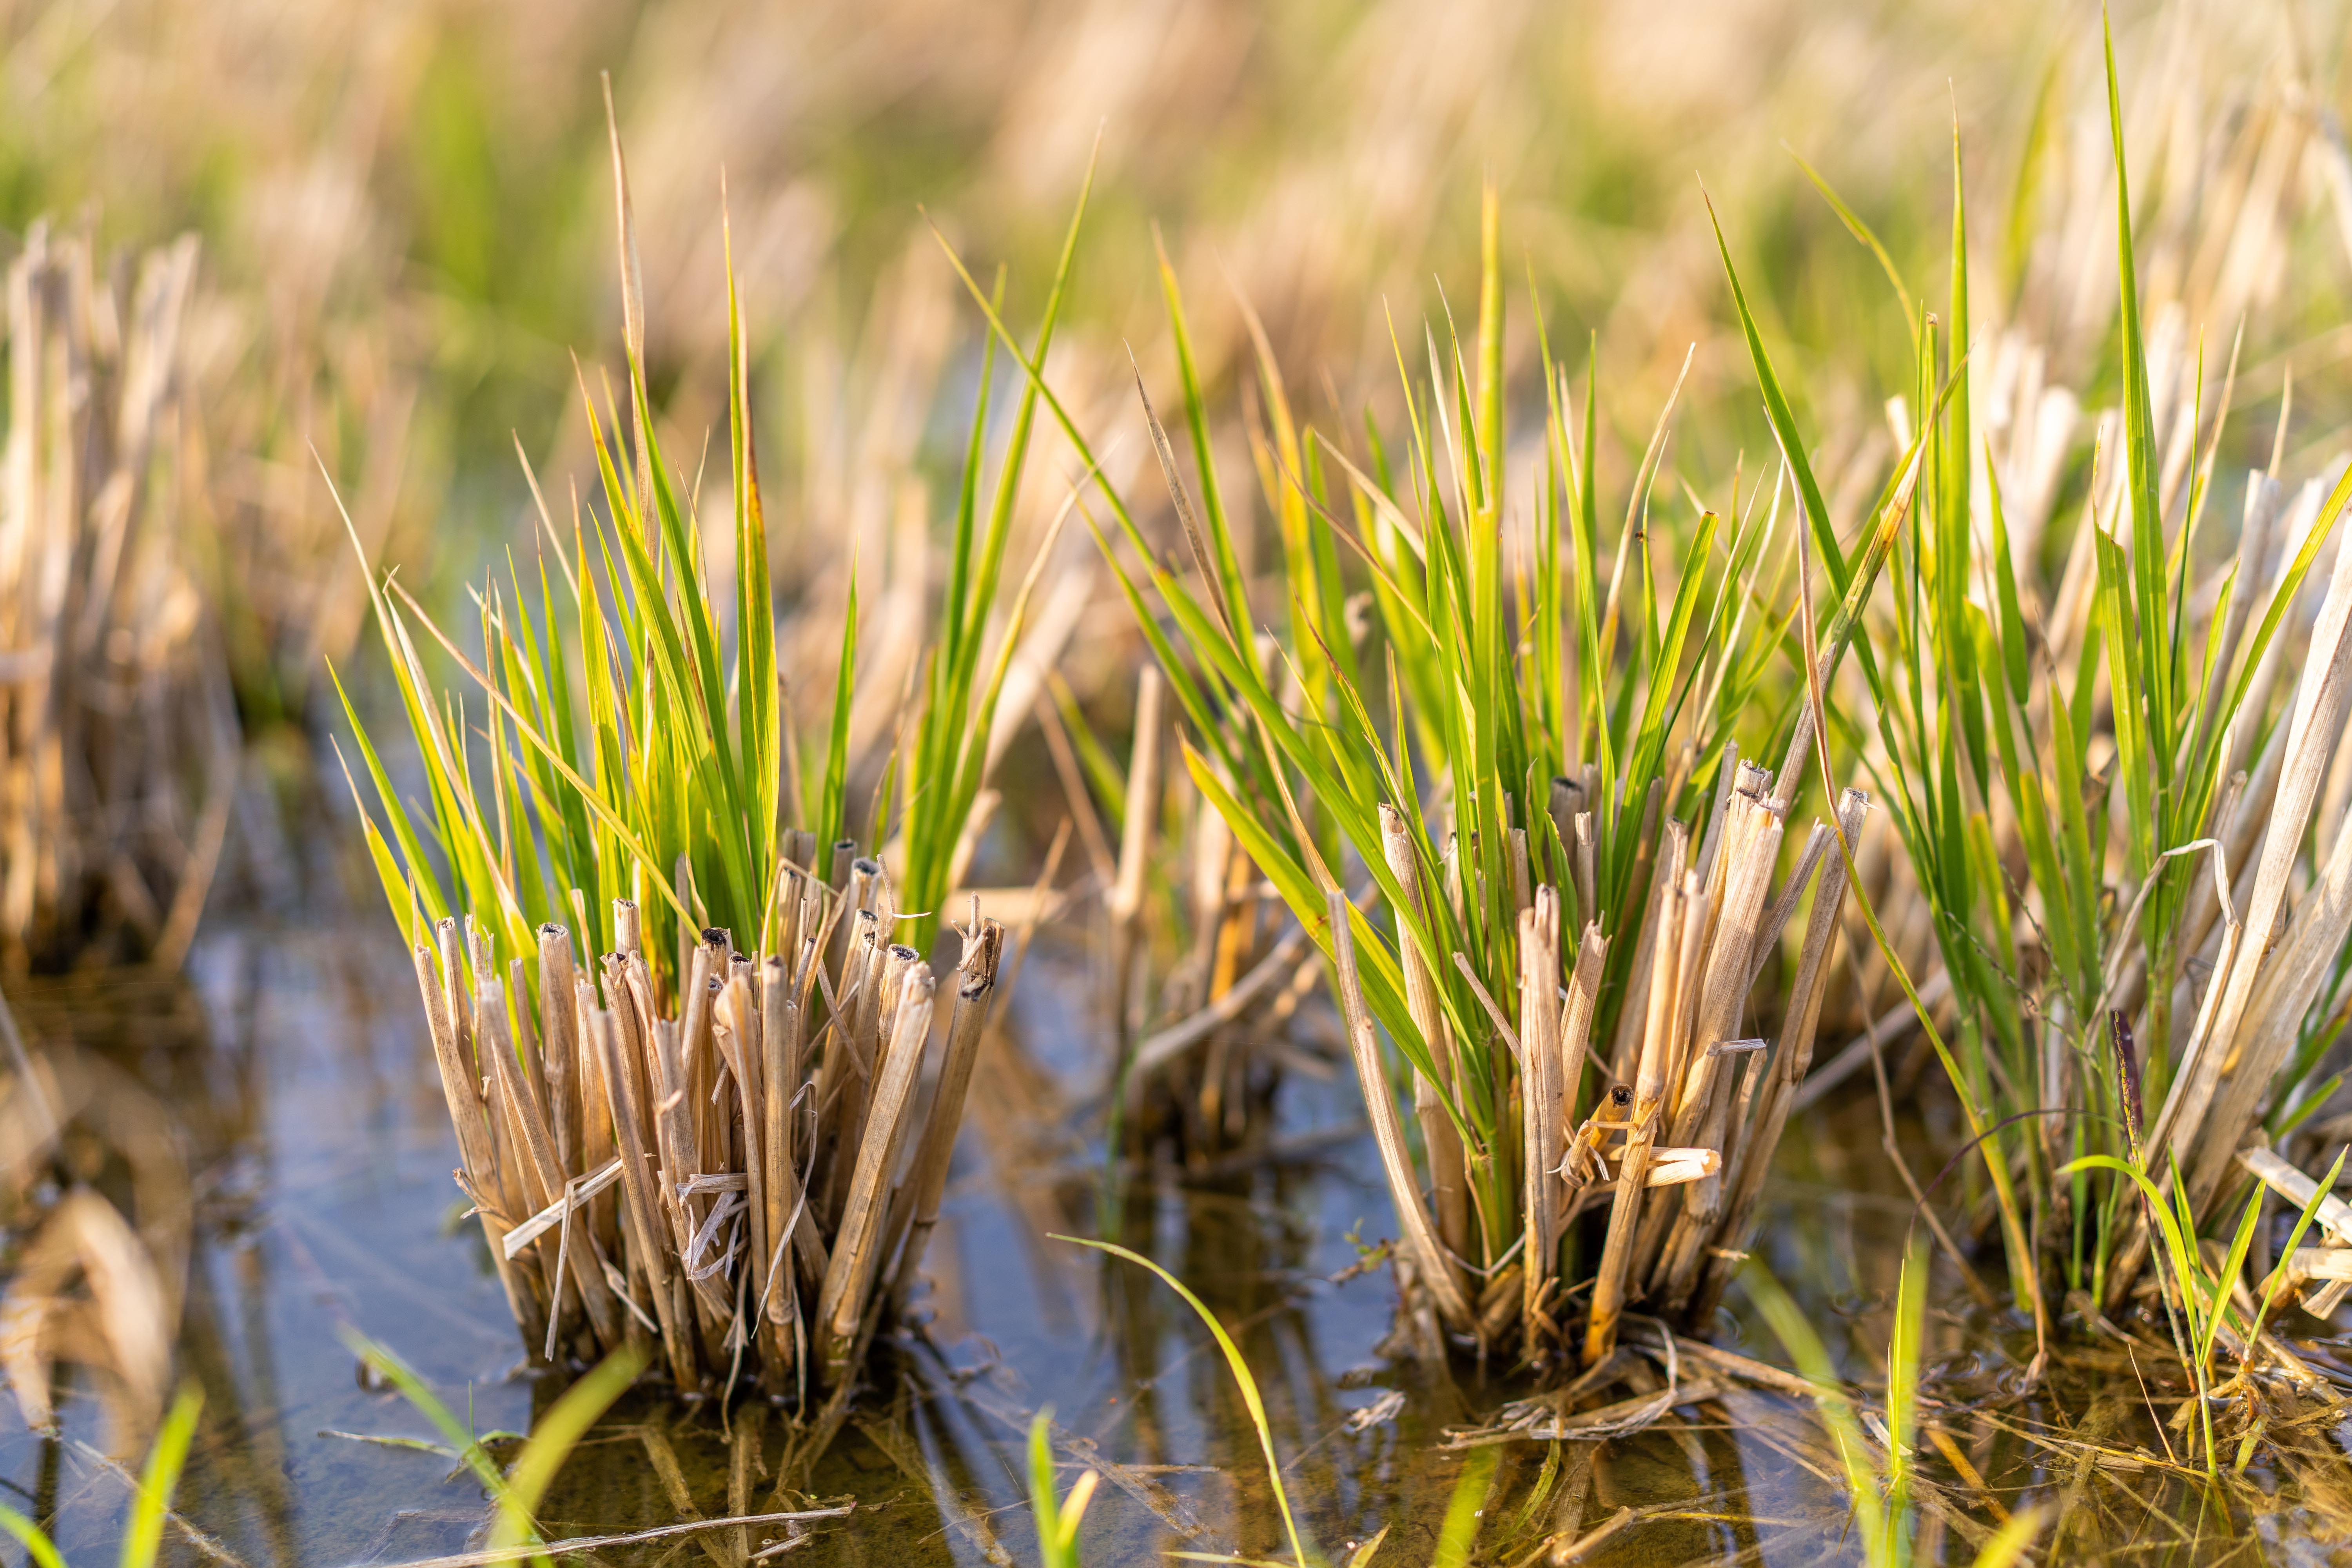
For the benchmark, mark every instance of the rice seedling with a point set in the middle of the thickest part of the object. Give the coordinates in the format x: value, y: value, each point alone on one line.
x: 1524, y: 810
x: 2204, y: 1300
x: 722, y: 1146
x: 151, y: 1501
x: 1472, y: 1528
x: 1058, y: 1516
x: 2059, y: 767
x: 1880, y: 1457
x: 1459, y: 1534
x: 516, y: 1490
x: 1239, y: 1366
x: 121, y: 749
x: 1461, y: 1525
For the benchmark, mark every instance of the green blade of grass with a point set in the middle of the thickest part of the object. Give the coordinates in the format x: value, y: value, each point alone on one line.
x: 553, y: 1436
x: 1239, y: 1367
x: 1796, y: 1333
x: 1459, y: 1532
x: 142, y: 1536
x: 39, y: 1549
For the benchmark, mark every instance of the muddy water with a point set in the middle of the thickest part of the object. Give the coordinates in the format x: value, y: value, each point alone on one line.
x: 293, y: 1067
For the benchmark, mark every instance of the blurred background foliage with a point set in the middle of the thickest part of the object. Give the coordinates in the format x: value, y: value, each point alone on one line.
x: 407, y: 224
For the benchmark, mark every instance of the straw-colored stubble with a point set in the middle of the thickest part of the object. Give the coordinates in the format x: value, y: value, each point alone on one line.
x: 1441, y: 1141
x: 916, y: 1209
x: 1752, y: 1159
x: 857, y: 1245
x: 1609, y: 1286
x: 1387, y: 1131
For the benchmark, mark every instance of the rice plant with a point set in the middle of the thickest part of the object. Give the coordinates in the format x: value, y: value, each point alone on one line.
x: 1059, y: 1514
x: 1057, y: 1522
x: 1301, y: 1552
x: 2203, y: 1301
x: 2097, y: 805
x: 516, y: 1491
x: 1880, y: 1463
x: 722, y: 1146
x: 1534, y: 772
x: 151, y: 1501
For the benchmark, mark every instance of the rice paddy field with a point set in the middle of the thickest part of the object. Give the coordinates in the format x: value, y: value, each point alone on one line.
x: 1122, y: 780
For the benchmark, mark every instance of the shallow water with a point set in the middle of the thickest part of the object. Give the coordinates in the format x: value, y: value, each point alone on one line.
x: 295, y: 1068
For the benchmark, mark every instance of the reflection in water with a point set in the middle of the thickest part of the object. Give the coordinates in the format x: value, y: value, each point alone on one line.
x: 321, y: 1161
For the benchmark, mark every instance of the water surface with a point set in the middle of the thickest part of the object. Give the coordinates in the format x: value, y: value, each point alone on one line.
x: 293, y: 1064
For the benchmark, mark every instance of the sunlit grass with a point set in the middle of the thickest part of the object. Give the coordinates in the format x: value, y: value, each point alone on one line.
x: 623, y: 745
x: 150, y: 1500
x: 1530, y: 764
x: 2060, y: 774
